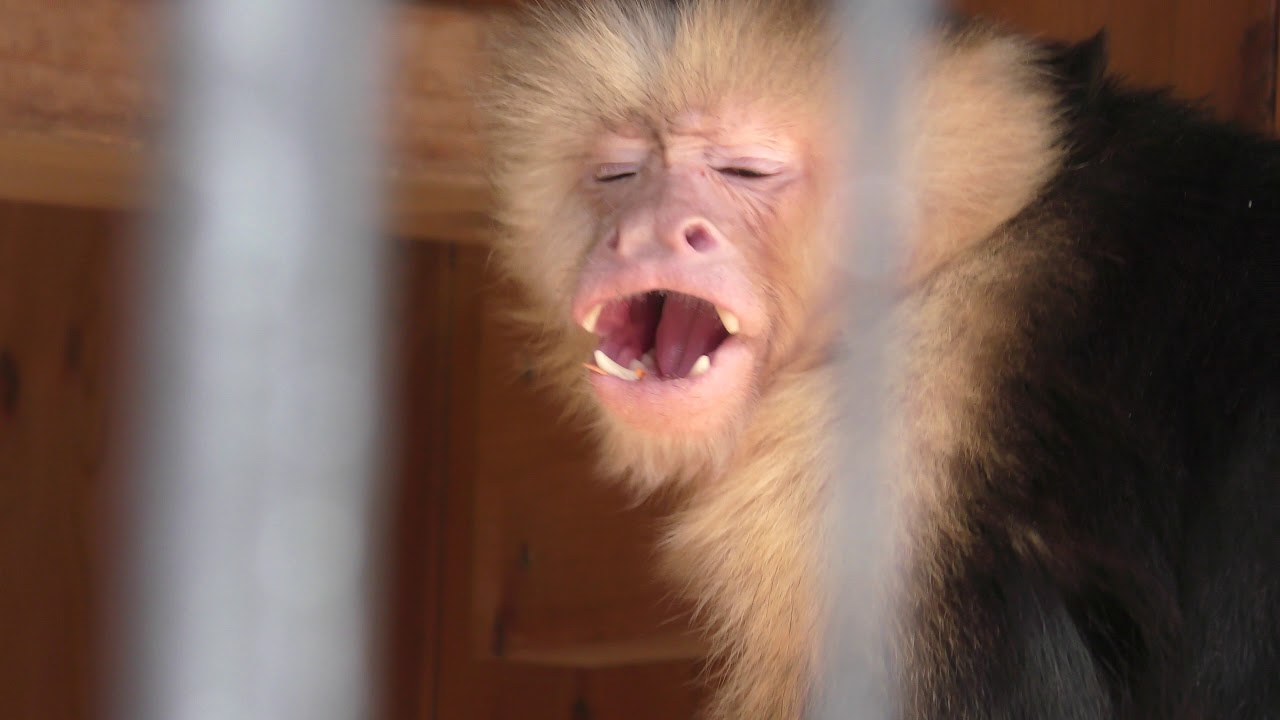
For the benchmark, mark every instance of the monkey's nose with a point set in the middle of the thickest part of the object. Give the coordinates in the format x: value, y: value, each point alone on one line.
x: 699, y: 237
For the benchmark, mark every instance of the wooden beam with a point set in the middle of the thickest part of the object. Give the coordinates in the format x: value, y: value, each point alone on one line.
x: 79, y: 92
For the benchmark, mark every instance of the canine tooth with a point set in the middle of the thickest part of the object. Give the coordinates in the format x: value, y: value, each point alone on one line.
x: 637, y: 367
x: 589, y: 322
x: 649, y: 363
x: 729, y: 320
x: 607, y: 364
x: 700, y: 366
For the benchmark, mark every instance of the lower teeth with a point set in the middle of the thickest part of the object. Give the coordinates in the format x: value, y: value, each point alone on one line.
x: 642, y: 366
x: 702, y: 365
x: 606, y: 363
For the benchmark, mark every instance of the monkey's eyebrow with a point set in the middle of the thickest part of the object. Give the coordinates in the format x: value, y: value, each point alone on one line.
x: 770, y: 150
x: 753, y: 159
x: 614, y: 140
x: 753, y: 162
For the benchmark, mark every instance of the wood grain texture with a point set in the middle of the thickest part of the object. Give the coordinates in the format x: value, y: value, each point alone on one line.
x: 61, y: 272
x: 1220, y: 53
x: 59, y: 337
x: 477, y: 522
x: 80, y: 91
x: 423, y: 373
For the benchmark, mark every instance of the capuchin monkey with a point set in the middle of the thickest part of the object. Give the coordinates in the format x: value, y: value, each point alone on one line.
x: 1086, y: 395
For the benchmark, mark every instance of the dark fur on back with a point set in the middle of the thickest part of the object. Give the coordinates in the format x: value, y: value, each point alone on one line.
x: 1121, y: 547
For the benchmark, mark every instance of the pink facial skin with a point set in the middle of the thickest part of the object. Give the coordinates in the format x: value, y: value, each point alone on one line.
x: 685, y: 210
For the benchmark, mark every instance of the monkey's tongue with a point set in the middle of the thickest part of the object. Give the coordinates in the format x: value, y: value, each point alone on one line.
x: 627, y: 327
x: 689, y: 328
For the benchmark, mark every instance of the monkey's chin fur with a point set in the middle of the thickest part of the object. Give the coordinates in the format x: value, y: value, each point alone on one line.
x: 690, y: 407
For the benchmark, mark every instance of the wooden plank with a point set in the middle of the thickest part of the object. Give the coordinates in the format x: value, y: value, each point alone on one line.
x: 47, y: 169
x: 424, y: 344
x: 1226, y: 55
x: 60, y: 276
x: 661, y: 690
x: 59, y: 336
x: 1220, y: 52
x: 78, y: 95
x: 1142, y: 41
x: 1075, y: 20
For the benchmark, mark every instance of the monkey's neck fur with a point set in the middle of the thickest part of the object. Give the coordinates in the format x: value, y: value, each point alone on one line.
x: 746, y: 544
x: 744, y: 548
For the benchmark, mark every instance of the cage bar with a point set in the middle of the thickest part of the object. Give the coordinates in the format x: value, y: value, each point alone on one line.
x: 255, y: 481
x: 878, y: 52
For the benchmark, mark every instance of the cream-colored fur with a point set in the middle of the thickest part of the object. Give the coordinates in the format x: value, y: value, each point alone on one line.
x: 983, y: 141
x: 745, y: 543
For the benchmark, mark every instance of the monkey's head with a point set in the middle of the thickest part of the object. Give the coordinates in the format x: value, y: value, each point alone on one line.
x: 658, y: 167
x: 666, y: 181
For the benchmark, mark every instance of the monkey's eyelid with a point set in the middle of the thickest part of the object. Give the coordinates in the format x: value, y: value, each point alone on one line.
x: 749, y: 169
x: 742, y: 172
x: 619, y: 171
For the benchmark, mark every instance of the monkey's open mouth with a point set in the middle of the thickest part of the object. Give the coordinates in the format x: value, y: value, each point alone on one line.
x: 659, y: 334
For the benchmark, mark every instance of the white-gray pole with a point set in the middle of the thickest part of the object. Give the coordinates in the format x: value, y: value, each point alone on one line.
x: 256, y: 472
x: 879, y: 53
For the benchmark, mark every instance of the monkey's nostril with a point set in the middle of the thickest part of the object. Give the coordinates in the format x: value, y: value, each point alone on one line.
x: 612, y: 242
x: 698, y: 238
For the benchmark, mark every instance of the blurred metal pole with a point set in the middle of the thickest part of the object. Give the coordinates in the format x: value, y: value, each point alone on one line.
x: 256, y: 478
x: 880, y: 53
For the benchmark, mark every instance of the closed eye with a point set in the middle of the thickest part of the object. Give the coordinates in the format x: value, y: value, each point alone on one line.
x: 741, y: 172
x: 614, y: 172
x: 615, y: 176
x: 747, y: 168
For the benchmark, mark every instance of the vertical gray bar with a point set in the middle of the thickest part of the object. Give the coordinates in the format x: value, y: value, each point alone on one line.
x: 879, y: 53
x: 255, y: 481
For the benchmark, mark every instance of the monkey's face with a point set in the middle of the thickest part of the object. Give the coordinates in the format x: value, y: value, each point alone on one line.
x: 679, y: 280
x: 663, y: 199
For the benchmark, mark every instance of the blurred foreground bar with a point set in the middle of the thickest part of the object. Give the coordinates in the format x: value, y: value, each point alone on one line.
x: 880, y: 42
x: 256, y: 474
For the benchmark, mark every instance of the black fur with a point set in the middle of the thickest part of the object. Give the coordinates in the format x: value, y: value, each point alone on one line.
x: 1128, y: 510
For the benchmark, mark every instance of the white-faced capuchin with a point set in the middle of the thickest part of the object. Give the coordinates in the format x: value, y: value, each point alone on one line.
x: 1087, y: 403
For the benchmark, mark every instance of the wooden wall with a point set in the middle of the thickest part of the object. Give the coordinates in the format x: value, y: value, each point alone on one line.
x: 1220, y: 51
x: 59, y: 273
x: 520, y: 587
x: 520, y: 556
x: 62, y: 276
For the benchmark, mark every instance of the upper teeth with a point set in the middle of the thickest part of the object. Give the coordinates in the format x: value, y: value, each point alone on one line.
x: 729, y: 320
x: 589, y: 322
